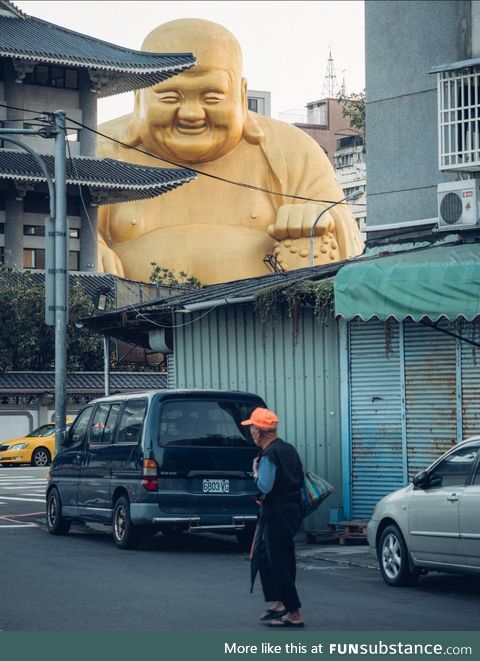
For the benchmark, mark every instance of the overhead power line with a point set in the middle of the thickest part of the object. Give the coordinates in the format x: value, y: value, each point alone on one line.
x: 180, y: 165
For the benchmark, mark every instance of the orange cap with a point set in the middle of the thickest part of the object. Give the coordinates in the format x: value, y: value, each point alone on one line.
x: 262, y: 418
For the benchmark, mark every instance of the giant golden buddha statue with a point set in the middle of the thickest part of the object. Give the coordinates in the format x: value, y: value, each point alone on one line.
x: 213, y: 228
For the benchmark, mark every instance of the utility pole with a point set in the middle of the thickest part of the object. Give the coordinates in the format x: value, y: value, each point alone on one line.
x: 61, y: 278
x: 56, y: 253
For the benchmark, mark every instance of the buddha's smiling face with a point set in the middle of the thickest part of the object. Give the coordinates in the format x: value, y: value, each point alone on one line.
x: 194, y: 117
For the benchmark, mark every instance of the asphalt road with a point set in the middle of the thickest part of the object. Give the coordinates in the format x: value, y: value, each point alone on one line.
x: 83, y: 582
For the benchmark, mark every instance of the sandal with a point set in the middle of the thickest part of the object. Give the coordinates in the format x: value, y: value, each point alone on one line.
x: 283, y: 622
x: 272, y: 614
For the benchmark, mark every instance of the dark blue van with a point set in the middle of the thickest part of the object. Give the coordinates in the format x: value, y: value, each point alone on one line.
x: 168, y: 460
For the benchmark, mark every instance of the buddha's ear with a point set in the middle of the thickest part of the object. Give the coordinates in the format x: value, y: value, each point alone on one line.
x: 251, y: 129
x: 132, y: 130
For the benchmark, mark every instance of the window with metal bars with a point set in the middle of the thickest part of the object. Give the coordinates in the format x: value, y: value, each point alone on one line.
x: 459, y: 119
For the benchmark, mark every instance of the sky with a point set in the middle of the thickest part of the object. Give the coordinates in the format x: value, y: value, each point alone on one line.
x: 285, y: 44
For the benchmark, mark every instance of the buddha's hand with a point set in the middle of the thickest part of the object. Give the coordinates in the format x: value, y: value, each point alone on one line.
x: 292, y: 233
x: 108, y: 261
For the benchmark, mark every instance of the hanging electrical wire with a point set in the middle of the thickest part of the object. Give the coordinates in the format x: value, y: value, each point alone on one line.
x: 196, y: 170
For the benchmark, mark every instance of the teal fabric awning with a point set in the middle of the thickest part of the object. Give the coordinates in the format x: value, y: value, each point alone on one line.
x: 424, y: 284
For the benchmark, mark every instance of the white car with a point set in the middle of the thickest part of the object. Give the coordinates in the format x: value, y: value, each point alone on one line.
x: 434, y: 522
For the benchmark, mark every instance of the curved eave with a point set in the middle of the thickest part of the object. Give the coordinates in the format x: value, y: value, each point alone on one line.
x: 116, y: 185
x: 123, y: 78
x: 108, y: 193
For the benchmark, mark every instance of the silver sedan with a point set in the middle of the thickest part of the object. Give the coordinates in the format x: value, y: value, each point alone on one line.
x: 434, y: 522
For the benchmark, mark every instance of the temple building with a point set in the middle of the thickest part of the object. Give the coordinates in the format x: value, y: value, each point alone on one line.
x: 44, y: 68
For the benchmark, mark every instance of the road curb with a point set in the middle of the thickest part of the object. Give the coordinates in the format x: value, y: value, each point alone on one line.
x: 339, y: 555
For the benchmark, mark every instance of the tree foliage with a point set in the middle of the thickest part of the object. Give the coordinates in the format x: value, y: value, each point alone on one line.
x: 26, y: 342
x: 164, y: 276
x: 353, y: 107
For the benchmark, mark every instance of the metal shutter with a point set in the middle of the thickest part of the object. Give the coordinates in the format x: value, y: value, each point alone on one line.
x: 470, y: 382
x: 430, y: 394
x: 377, y: 463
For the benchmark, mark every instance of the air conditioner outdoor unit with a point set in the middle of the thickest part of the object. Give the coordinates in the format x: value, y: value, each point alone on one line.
x: 458, y: 205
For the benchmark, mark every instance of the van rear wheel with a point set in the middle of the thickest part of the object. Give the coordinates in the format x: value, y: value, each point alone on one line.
x: 124, y: 531
x: 56, y: 523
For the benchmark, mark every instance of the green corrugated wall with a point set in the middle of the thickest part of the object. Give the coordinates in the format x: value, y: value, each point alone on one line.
x: 226, y: 348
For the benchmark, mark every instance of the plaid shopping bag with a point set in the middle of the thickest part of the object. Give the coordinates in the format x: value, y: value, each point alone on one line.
x: 313, y: 492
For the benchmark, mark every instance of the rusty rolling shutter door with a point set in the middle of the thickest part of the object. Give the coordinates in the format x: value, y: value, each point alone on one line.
x: 430, y: 394
x: 470, y: 381
x: 375, y: 402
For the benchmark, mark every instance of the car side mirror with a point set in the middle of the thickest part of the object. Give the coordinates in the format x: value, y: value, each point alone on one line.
x: 421, y: 480
x: 424, y: 480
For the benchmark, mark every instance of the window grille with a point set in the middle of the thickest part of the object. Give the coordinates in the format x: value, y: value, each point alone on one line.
x: 459, y: 119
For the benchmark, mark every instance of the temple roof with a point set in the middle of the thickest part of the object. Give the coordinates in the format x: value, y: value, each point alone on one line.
x: 108, y: 180
x: 82, y: 381
x: 33, y: 40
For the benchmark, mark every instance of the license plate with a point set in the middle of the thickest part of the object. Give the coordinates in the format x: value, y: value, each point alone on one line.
x: 216, y: 486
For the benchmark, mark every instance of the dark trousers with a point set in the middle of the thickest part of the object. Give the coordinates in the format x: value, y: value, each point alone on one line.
x: 277, y: 560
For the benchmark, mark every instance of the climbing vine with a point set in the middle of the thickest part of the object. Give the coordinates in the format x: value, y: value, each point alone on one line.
x: 276, y: 302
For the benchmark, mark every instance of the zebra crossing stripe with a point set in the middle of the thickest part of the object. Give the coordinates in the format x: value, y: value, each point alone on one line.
x: 25, y: 500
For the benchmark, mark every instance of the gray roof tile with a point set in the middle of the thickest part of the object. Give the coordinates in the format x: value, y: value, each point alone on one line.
x: 83, y: 381
x: 115, y: 181
x: 89, y: 282
x: 29, y: 38
x: 238, y: 289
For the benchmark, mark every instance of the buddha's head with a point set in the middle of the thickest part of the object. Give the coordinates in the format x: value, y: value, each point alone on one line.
x: 199, y: 115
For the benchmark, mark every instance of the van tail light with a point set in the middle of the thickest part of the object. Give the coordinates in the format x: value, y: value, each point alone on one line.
x: 150, y: 475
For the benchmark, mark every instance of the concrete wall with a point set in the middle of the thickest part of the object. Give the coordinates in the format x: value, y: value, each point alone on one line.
x: 404, y: 40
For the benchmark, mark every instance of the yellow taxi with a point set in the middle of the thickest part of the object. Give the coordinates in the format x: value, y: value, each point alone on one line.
x: 37, y: 448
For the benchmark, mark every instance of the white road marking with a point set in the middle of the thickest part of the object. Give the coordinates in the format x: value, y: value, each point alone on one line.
x: 18, y: 525
x: 32, y: 485
x: 21, y: 478
x: 26, y: 500
x: 10, y: 476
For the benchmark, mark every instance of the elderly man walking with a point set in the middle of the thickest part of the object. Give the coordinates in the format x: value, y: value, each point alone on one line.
x: 279, y: 476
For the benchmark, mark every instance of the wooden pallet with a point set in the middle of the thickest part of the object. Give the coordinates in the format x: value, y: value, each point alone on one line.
x: 350, y: 531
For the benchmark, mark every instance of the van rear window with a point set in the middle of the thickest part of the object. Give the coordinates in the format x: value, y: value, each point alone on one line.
x: 205, y: 423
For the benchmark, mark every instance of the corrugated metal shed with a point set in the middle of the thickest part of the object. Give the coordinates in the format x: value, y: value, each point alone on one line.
x: 137, y: 321
x: 228, y: 349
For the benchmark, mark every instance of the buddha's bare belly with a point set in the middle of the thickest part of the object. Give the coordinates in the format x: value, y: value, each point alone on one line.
x: 211, y: 253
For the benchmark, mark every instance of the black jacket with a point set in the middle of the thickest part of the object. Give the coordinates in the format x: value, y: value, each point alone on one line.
x: 289, y: 472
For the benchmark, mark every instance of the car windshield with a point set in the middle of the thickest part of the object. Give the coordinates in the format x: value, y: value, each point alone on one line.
x: 44, y: 430
x: 206, y: 423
